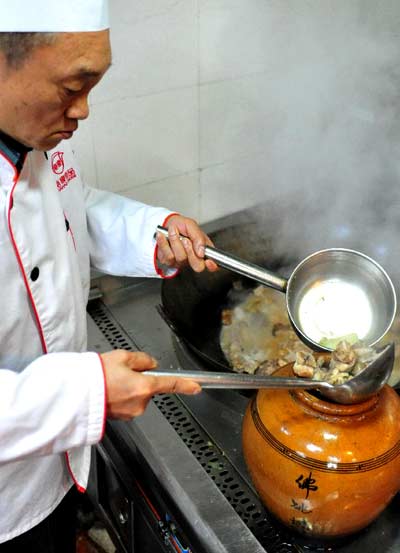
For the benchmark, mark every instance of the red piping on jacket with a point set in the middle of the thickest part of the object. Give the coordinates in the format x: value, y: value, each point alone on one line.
x: 105, y: 396
x: 159, y: 271
x: 19, y: 260
x: 78, y: 486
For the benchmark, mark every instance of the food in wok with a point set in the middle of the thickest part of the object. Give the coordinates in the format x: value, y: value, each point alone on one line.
x: 257, y: 338
x: 256, y: 335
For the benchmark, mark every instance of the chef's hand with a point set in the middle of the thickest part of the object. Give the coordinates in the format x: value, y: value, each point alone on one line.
x: 128, y: 391
x: 175, y: 252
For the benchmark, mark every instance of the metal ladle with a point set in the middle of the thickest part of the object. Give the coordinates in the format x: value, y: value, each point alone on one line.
x: 355, y: 390
x: 325, y: 291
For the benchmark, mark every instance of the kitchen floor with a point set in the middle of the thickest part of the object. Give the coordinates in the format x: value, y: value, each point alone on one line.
x: 91, y: 537
x: 96, y: 540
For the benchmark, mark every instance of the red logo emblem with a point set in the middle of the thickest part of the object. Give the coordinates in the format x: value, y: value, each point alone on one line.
x: 57, y: 163
x: 63, y: 181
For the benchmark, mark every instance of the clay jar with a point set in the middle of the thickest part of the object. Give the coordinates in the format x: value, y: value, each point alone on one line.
x: 324, y: 469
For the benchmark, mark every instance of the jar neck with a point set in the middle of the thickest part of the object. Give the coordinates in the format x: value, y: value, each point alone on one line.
x: 330, y: 409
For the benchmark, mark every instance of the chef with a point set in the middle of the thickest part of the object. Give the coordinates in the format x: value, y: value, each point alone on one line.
x: 54, y: 395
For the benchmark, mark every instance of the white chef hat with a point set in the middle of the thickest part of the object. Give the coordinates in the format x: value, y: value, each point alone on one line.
x: 53, y: 16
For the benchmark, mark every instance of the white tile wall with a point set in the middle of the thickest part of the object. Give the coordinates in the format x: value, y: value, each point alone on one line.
x: 179, y: 194
x: 236, y: 118
x: 211, y: 105
x: 152, y: 52
x: 242, y: 182
x: 145, y: 139
x: 242, y: 37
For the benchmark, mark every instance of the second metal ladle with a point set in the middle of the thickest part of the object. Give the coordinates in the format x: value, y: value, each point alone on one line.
x: 357, y: 389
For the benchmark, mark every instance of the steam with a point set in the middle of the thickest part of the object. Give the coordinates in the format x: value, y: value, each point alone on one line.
x: 334, y: 160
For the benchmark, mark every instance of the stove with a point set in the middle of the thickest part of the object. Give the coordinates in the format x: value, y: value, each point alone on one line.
x: 174, y: 479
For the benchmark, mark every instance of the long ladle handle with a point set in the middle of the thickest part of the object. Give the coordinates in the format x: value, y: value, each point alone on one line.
x: 237, y: 265
x: 241, y: 381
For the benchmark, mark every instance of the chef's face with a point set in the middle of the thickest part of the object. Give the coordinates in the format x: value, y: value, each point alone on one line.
x: 42, y: 101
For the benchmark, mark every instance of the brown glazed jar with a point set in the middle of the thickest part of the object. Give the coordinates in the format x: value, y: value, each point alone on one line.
x: 324, y: 469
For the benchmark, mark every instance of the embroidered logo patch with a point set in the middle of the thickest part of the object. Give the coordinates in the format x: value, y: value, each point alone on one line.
x: 57, y: 163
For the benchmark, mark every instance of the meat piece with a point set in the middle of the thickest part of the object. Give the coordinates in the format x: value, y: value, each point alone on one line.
x: 267, y: 368
x: 364, y: 354
x: 280, y: 327
x: 226, y: 316
x: 343, y: 357
x: 304, y: 365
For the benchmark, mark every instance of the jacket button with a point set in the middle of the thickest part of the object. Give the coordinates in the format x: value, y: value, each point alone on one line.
x: 35, y: 274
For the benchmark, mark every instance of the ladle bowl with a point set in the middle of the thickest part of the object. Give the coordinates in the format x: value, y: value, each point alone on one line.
x: 355, y: 390
x: 337, y: 292
x: 330, y: 294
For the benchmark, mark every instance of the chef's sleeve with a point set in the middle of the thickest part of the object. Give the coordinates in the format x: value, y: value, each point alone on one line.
x: 56, y: 403
x: 121, y: 234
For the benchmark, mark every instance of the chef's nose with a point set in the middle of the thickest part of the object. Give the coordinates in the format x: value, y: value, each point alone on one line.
x: 79, y: 108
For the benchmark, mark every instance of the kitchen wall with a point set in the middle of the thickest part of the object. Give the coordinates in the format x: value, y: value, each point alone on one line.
x: 212, y: 106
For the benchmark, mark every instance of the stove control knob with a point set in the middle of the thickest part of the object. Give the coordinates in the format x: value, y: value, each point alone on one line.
x: 123, y: 517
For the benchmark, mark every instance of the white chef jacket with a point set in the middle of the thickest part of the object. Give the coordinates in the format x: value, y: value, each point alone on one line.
x: 52, y: 392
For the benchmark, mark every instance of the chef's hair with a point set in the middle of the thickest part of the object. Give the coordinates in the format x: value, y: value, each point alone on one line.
x: 17, y: 47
